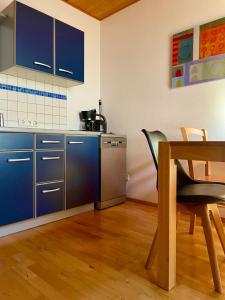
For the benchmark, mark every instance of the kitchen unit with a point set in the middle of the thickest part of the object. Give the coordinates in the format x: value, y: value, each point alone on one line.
x: 46, y: 176
x: 38, y: 47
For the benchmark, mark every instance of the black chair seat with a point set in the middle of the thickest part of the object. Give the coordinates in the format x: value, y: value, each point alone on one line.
x: 200, y: 193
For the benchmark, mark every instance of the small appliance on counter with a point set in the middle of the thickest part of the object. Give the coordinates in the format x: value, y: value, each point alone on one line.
x: 92, y: 121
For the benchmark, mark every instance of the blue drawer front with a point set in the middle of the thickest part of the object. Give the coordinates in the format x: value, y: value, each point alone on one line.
x: 16, y: 187
x: 50, y: 198
x: 50, y: 165
x: 16, y: 141
x: 47, y: 141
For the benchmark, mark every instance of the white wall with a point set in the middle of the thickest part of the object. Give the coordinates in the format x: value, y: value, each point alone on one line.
x: 135, y: 86
x: 85, y: 96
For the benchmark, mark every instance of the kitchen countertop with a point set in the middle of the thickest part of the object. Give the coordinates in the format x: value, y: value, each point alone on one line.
x: 57, y: 131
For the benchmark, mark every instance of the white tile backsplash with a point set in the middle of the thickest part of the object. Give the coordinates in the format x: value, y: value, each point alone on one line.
x: 29, y: 110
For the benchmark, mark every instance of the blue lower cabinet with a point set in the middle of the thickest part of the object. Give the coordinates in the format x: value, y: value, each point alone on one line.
x: 49, y: 166
x: 16, y: 187
x: 50, y: 198
x: 82, y: 170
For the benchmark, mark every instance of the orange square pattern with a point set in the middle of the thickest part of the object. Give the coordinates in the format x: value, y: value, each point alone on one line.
x: 212, y: 41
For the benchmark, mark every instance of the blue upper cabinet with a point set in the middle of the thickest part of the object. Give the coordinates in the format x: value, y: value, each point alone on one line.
x: 69, y: 44
x: 34, y: 39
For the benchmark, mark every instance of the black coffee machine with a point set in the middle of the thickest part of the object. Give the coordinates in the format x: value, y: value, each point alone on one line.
x: 92, y: 121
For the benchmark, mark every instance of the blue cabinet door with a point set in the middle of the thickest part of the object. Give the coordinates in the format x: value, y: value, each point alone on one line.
x: 34, y: 39
x: 69, y: 46
x: 16, y: 187
x: 82, y: 170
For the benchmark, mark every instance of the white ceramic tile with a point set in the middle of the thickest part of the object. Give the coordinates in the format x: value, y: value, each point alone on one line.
x: 63, y: 112
x: 12, y: 80
x: 31, y: 84
x: 22, y: 97
x: 3, y: 104
x: 22, y: 115
x: 22, y: 122
x: 63, y: 127
x: 56, y: 102
x: 55, y: 111
x: 48, y: 119
x: 48, y: 110
x: 22, y: 82
x: 12, y: 123
x: 40, y: 109
x: 48, y: 126
x: 48, y: 101
x: 32, y: 108
x: 62, y: 103
x: 12, y: 95
x: 40, y: 125
x: 12, y: 115
x: 40, y: 86
x: 62, y: 121
x: 40, y: 118
x: 55, y: 120
x: 55, y: 89
x: 3, y: 78
x: 48, y: 88
x: 32, y: 117
x: 31, y: 98
x: 22, y: 106
x: 3, y: 94
x: 40, y: 100
x: 12, y: 105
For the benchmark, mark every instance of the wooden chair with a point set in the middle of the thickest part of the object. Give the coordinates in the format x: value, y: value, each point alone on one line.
x: 186, y: 132
x: 198, y: 197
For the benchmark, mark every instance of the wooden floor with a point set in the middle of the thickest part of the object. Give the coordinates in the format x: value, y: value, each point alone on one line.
x: 101, y: 255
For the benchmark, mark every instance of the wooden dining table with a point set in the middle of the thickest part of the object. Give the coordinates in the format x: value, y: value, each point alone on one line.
x: 168, y: 152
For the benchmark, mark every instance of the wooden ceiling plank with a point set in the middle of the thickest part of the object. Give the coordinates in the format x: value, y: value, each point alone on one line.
x: 100, y: 9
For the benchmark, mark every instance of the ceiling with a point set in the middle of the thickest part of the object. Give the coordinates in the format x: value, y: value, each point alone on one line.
x: 100, y: 9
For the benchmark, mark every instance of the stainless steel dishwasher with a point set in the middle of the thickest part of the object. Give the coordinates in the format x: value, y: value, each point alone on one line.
x: 113, y: 170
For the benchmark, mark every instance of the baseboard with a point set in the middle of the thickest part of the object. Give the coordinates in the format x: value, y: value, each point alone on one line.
x: 144, y: 202
x: 154, y: 204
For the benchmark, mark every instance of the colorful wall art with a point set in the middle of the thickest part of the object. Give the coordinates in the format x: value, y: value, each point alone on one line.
x: 198, y: 54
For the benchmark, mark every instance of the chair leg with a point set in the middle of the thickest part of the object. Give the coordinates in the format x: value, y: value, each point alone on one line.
x: 218, y: 224
x: 204, y: 213
x: 152, y: 251
x: 192, y: 223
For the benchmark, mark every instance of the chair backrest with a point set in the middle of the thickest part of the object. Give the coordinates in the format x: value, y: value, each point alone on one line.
x: 153, y: 139
x: 186, y: 132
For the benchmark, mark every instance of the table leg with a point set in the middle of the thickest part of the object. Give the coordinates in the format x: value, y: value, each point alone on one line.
x: 166, y: 218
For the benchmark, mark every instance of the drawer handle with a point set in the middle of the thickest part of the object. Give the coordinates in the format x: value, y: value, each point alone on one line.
x: 50, y: 142
x: 50, y: 191
x: 72, y: 143
x: 42, y: 64
x: 51, y: 158
x: 11, y: 160
x: 66, y: 71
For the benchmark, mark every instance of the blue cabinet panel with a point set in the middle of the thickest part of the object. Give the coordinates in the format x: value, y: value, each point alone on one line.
x: 34, y: 39
x: 69, y: 45
x: 49, y: 166
x: 47, y: 141
x: 16, y: 141
x: 50, y: 198
x: 82, y: 170
x: 16, y: 187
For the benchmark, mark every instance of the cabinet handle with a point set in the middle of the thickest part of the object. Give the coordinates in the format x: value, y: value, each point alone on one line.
x: 50, y: 142
x: 10, y: 160
x: 51, y: 191
x: 51, y: 158
x: 71, y: 143
x: 42, y: 64
x: 66, y: 71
